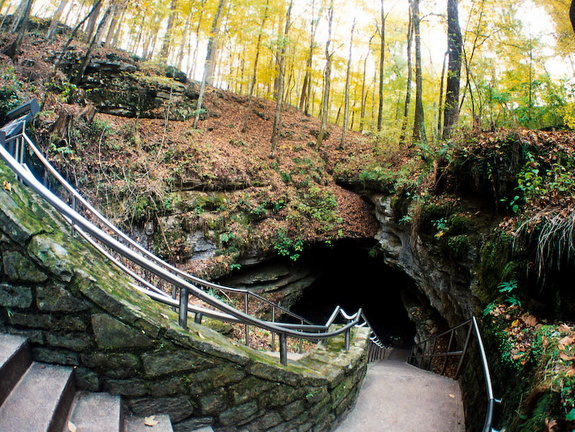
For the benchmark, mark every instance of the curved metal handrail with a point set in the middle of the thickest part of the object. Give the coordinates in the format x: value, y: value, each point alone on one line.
x: 185, y: 283
x: 473, y: 328
x: 109, y: 225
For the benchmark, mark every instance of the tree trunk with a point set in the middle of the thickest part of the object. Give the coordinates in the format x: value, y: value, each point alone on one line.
x: 419, y: 122
x: 20, y: 25
x: 364, y: 87
x: 407, y: 103
x: 112, y: 35
x: 209, y: 64
x: 167, y: 41
x: 441, y: 106
x: 253, y: 81
x: 381, y: 70
x: 51, y: 34
x: 91, y: 27
x: 327, y: 78
x: 281, y: 82
x: 95, y: 38
x: 572, y: 14
x: 455, y: 48
x: 306, y: 86
x: 346, y: 95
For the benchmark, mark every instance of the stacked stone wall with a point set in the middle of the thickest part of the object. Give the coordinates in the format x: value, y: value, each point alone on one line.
x: 79, y: 311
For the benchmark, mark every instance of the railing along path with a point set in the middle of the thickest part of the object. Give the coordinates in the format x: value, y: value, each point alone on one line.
x: 429, y: 355
x: 150, y: 274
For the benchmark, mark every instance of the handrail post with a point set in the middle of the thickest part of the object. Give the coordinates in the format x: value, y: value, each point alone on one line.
x: 447, y: 352
x: 198, y: 318
x: 183, y: 316
x: 247, y: 327
x: 464, y: 351
x: 273, y: 334
x: 348, y: 337
x: 283, y: 349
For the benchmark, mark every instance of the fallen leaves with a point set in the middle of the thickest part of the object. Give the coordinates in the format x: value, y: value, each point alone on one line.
x: 151, y: 421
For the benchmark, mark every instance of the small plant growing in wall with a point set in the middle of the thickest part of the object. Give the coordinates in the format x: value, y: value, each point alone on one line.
x: 288, y: 247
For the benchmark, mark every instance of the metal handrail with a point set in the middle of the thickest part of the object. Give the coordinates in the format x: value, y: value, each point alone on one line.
x: 109, y: 225
x: 418, y: 359
x: 184, y: 283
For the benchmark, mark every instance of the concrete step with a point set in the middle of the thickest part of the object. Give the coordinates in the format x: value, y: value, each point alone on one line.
x: 95, y: 412
x: 148, y: 424
x: 15, y: 359
x: 36, y: 397
x: 40, y: 400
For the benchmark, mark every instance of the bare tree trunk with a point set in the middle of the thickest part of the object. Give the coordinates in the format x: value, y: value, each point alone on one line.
x: 167, y: 41
x: 419, y: 122
x: 112, y: 35
x: 213, y: 44
x: 51, y: 34
x: 381, y: 69
x: 306, y: 86
x: 95, y: 38
x: 455, y: 48
x: 346, y: 96
x: 364, y: 87
x: 281, y: 81
x: 255, y: 67
x: 91, y: 27
x: 327, y: 78
x: 441, y: 106
x: 20, y: 25
x: 209, y: 64
x: 407, y: 103
x: 572, y: 14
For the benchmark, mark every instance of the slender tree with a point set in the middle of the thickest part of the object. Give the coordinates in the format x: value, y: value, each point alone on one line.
x: 210, y: 59
x: 419, y: 121
x: 92, y: 21
x: 304, y: 100
x: 407, y: 102
x: 326, y: 77
x: 346, y: 90
x: 381, y: 67
x: 168, y: 36
x: 455, y: 49
x: 19, y: 27
x: 281, y: 81
x: 95, y: 38
x: 253, y: 81
x: 572, y: 14
x: 55, y: 20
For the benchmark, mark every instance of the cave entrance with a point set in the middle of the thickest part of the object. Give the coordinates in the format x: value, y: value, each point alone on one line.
x: 353, y: 276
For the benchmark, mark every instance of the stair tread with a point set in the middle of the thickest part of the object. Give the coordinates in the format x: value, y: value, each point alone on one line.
x: 15, y: 358
x: 34, y: 400
x: 138, y: 424
x: 9, y: 344
x: 96, y: 412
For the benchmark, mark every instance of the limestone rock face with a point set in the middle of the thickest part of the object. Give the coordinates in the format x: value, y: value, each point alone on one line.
x: 446, y: 283
x: 117, y: 85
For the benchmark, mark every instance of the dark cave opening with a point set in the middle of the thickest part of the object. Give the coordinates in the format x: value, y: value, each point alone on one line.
x: 352, y: 277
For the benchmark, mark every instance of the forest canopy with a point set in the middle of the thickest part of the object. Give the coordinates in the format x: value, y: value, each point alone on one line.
x: 390, y: 66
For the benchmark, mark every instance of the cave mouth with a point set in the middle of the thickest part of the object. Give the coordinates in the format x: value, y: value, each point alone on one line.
x: 353, y: 275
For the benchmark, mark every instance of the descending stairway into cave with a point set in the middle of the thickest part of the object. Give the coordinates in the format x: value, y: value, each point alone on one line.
x: 37, y: 397
x: 398, y: 397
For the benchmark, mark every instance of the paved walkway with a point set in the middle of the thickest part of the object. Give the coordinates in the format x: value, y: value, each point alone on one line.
x: 398, y: 397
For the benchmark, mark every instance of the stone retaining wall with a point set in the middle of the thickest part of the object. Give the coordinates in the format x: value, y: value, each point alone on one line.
x: 78, y: 311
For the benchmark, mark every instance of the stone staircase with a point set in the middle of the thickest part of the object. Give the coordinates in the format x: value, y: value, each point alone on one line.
x: 37, y: 397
